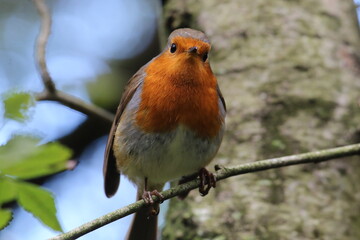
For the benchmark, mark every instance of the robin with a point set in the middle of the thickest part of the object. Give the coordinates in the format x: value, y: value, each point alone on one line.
x: 169, y: 124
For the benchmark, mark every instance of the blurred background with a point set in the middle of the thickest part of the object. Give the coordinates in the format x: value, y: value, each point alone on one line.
x: 94, y: 48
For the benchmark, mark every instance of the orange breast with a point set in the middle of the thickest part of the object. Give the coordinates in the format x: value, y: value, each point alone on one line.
x: 179, y: 90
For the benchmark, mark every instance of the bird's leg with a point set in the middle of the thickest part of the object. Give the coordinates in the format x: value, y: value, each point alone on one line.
x: 207, y: 180
x: 146, y: 196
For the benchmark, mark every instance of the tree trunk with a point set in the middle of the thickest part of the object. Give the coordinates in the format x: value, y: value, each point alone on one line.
x: 289, y: 72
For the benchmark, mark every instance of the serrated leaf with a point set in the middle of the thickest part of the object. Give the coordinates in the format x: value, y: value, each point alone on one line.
x: 5, y: 218
x: 23, y: 158
x: 31, y: 197
x: 16, y: 149
x: 39, y: 202
x: 17, y: 105
x: 8, y: 190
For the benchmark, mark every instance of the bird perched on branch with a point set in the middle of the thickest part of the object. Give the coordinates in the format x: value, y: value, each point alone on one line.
x: 170, y: 123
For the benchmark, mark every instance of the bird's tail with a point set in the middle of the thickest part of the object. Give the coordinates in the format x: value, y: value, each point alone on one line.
x: 144, y: 223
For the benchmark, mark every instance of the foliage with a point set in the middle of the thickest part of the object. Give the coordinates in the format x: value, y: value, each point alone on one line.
x: 17, y: 104
x: 23, y: 158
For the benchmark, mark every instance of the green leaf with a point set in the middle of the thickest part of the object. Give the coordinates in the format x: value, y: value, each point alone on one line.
x: 31, y: 197
x: 17, y: 105
x: 8, y: 190
x: 5, y: 218
x: 24, y: 158
x: 15, y: 150
x: 39, y: 202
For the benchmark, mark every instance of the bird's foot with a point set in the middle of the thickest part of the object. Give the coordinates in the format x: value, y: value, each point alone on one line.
x: 147, y: 197
x: 207, y: 181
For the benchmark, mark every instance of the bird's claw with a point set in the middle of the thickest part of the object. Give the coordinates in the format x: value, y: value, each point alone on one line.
x: 207, y: 181
x: 147, y: 197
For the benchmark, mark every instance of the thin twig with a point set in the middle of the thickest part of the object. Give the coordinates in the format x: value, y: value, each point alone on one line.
x: 76, y: 104
x: 50, y: 92
x: 222, y: 173
x: 42, y: 42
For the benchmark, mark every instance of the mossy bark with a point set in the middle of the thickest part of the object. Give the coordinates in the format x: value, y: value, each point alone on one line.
x: 290, y: 74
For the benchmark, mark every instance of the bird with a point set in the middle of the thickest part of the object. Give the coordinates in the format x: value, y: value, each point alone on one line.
x: 170, y: 123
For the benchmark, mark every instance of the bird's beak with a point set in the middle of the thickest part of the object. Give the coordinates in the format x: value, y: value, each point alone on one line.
x: 192, y: 50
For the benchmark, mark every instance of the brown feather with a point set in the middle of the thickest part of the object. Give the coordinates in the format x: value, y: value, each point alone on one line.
x: 177, y: 85
x: 221, y: 96
x: 111, y: 173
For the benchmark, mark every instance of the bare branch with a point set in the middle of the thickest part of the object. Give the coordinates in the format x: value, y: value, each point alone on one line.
x: 76, y: 104
x: 42, y: 42
x: 222, y: 173
x: 50, y: 92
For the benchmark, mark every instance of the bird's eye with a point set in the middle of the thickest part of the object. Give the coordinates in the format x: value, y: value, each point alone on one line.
x: 205, y: 56
x: 173, y: 48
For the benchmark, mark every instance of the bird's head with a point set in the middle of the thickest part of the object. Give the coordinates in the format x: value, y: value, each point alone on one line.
x: 188, y: 45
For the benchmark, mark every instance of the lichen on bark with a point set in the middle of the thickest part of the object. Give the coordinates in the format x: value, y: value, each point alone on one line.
x: 289, y: 71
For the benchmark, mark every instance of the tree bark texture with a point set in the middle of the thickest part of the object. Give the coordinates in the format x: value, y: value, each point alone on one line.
x: 290, y: 74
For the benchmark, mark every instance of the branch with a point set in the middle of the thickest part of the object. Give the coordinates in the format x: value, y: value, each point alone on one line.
x: 41, y: 44
x: 221, y: 173
x: 50, y: 92
x: 76, y: 104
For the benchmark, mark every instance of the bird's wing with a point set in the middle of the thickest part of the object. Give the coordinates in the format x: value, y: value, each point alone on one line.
x: 111, y: 174
x: 221, y: 102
